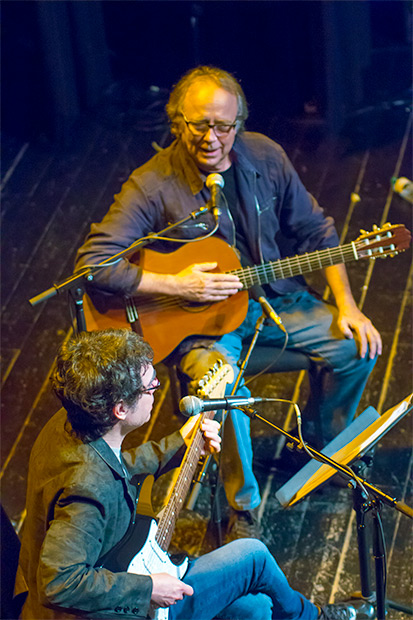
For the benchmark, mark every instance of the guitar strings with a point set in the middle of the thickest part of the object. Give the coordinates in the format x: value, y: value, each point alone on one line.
x: 180, y: 489
x: 165, y: 528
x: 262, y: 274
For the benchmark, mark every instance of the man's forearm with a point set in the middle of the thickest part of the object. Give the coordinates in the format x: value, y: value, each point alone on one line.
x: 337, y: 279
x: 152, y: 282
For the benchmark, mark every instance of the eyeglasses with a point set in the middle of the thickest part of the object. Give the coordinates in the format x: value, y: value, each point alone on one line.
x: 152, y: 388
x: 201, y: 128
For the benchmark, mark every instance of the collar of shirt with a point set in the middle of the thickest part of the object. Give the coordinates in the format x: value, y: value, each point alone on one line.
x: 109, y: 456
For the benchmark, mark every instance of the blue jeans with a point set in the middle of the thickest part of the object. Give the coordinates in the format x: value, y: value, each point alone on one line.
x: 336, y: 385
x: 240, y: 581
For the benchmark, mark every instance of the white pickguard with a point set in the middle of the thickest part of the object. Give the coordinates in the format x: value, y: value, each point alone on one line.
x: 152, y: 559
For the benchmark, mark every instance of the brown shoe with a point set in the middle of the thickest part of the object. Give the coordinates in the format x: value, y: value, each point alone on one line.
x: 243, y: 524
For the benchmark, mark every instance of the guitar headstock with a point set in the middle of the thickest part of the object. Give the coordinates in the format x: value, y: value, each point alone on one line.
x: 381, y: 242
x: 212, y: 384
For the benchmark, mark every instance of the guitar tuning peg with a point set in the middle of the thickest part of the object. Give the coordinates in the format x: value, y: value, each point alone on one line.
x: 363, y: 232
x: 375, y: 227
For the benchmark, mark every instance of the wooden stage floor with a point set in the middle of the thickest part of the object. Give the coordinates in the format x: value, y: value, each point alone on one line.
x: 50, y: 196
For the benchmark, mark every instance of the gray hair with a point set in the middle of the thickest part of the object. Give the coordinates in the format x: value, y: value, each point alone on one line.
x: 221, y: 78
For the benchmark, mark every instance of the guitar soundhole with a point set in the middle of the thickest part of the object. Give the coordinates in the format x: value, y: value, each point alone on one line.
x: 193, y: 306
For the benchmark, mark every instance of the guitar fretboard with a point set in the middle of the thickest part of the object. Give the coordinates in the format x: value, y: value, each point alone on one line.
x: 180, y: 490
x: 295, y: 265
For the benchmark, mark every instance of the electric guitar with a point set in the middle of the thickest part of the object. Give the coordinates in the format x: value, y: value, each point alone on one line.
x: 165, y: 321
x: 144, y: 548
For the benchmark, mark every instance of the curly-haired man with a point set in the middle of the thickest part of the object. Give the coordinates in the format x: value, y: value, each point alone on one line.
x: 81, y: 501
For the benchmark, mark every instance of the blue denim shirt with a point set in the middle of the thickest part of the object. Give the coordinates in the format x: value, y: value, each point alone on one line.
x: 273, y: 202
x: 80, y: 502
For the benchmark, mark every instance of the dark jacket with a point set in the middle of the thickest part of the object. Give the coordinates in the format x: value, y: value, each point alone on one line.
x: 273, y: 203
x: 79, y: 504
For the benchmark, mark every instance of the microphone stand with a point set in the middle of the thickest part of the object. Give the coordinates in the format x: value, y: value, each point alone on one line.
x: 366, y: 497
x: 362, y: 505
x: 75, y: 283
x: 215, y: 483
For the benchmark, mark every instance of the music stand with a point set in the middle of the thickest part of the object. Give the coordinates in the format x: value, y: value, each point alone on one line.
x: 351, y: 444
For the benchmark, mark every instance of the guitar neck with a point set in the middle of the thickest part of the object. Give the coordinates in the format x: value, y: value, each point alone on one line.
x: 296, y: 265
x: 166, y: 524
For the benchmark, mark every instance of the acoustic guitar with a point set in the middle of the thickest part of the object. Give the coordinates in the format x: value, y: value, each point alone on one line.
x: 144, y: 548
x: 165, y: 321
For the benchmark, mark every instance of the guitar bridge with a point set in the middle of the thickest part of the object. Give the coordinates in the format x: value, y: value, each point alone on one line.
x: 131, y: 310
x: 132, y: 315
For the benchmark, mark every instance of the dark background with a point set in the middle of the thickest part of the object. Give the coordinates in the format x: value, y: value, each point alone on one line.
x: 327, y: 58
x: 84, y: 84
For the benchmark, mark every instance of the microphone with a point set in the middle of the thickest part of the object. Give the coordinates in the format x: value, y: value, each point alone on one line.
x: 192, y: 405
x: 257, y: 293
x: 403, y: 187
x: 271, y: 313
x: 215, y: 183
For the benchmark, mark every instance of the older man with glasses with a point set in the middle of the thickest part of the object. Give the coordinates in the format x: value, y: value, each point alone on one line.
x: 263, y: 202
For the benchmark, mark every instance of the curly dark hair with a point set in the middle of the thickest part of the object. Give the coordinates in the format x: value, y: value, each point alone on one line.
x: 95, y: 371
x: 222, y: 79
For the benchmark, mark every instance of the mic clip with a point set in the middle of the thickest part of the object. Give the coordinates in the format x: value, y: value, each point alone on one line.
x: 216, y: 212
x: 249, y: 411
x: 202, y: 211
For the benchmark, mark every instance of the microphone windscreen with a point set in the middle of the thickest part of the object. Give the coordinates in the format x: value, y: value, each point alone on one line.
x: 214, y: 179
x: 189, y: 405
x: 256, y: 292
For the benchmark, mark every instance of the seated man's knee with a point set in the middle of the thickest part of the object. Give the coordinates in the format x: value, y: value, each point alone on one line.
x: 248, y: 547
x: 346, y: 357
x: 198, y: 362
x: 257, y: 606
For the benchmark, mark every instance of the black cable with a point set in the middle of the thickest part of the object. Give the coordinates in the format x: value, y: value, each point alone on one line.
x: 267, y: 368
